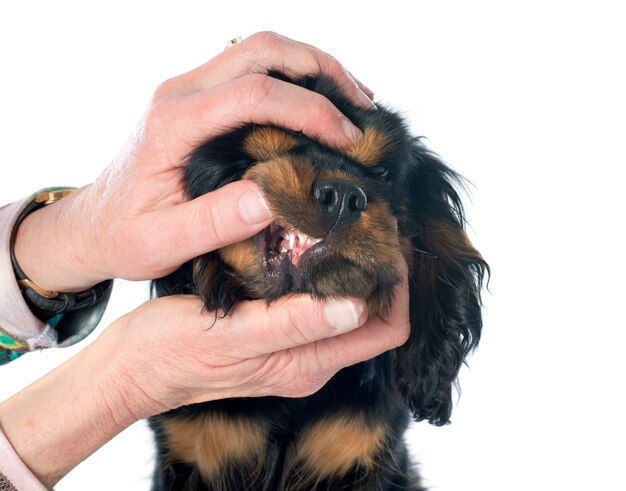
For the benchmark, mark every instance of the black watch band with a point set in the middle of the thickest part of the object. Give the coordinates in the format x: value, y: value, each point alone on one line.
x: 49, y: 303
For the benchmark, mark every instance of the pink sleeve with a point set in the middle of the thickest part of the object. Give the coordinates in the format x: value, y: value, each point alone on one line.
x: 14, y: 475
x: 16, y: 319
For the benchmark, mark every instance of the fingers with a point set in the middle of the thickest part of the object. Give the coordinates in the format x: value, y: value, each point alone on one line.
x: 264, y: 52
x: 303, y: 370
x: 290, y: 323
x: 267, y: 51
x: 250, y: 99
x: 375, y: 337
x: 227, y: 215
x: 290, y: 348
x: 366, y: 90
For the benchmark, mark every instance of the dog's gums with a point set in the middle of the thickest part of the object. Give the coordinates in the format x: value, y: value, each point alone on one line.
x: 282, y: 239
x: 281, y: 249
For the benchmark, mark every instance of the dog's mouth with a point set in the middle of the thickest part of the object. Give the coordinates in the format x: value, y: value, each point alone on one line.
x: 282, y: 250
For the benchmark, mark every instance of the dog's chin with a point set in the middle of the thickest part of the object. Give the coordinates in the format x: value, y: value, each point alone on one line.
x: 293, y: 262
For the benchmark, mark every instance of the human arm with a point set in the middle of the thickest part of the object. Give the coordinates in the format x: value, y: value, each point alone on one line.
x: 134, y: 222
x: 167, y: 353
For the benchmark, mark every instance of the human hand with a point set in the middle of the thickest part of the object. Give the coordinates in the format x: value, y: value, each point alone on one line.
x: 133, y: 222
x: 168, y: 354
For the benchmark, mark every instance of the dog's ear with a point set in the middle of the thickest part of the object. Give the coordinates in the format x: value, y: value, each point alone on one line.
x: 216, y: 283
x: 446, y: 278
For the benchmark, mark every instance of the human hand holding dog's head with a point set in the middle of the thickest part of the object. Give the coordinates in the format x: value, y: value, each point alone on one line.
x: 169, y: 354
x: 134, y: 221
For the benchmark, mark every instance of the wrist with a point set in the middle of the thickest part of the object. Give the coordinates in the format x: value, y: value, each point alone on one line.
x: 135, y: 390
x: 58, y: 421
x: 53, y: 246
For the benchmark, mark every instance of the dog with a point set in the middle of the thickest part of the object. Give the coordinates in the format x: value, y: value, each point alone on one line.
x: 346, y: 219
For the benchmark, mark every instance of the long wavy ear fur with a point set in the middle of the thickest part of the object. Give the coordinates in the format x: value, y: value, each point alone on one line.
x: 446, y: 279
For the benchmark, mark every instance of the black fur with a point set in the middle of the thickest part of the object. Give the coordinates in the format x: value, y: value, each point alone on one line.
x: 446, y: 276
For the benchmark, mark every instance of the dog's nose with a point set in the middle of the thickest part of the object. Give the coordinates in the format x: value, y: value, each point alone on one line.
x: 341, y: 201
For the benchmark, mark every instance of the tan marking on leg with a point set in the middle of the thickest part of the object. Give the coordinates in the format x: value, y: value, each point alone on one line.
x: 334, y: 446
x: 213, y: 440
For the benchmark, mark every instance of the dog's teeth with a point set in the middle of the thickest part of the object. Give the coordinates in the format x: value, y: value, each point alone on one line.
x: 287, y: 239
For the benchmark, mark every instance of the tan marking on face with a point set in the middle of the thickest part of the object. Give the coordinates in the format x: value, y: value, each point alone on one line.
x: 374, y: 238
x: 212, y: 440
x: 370, y: 149
x: 287, y: 183
x: 334, y: 446
x: 241, y: 256
x: 265, y: 142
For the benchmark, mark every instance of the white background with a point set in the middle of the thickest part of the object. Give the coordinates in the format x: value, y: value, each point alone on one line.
x: 526, y: 99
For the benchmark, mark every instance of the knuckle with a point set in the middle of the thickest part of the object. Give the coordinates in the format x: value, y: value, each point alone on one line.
x: 399, y: 335
x: 164, y: 89
x: 336, y: 69
x: 295, y: 324
x: 321, y: 107
x: 156, y: 117
x: 322, y: 116
x: 316, y: 372
x: 265, y: 38
x: 294, y: 375
x: 308, y: 386
x: 307, y: 383
x: 211, y: 223
x: 261, y: 45
x: 327, y: 111
x: 255, y: 89
x: 326, y: 64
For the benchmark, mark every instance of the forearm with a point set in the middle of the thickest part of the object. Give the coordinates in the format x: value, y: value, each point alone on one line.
x: 61, y: 419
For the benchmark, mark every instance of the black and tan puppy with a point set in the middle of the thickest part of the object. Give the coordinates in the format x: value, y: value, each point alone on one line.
x: 346, y: 219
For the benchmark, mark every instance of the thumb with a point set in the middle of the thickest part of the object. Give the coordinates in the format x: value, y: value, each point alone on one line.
x: 227, y: 215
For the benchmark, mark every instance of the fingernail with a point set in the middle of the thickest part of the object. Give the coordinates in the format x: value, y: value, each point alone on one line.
x: 368, y: 92
x: 350, y: 130
x: 253, y: 207
x: 365, y: 101
x: 345, y: 315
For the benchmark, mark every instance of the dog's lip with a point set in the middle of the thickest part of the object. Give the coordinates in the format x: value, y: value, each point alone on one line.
x: 284, y: 250
x: 283, y: 239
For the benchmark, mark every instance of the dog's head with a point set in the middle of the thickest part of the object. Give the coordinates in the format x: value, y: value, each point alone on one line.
x: 346, y: 219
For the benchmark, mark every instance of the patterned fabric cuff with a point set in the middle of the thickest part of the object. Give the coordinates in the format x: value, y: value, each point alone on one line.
x: 10, y: 350
x: 5, y: 484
